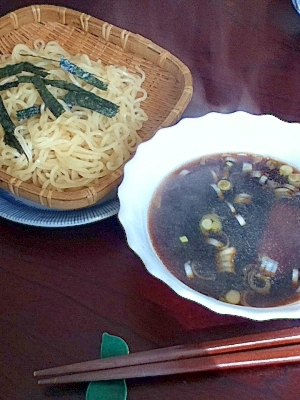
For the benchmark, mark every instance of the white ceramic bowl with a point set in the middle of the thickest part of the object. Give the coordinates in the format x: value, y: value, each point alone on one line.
x: 190, y: 139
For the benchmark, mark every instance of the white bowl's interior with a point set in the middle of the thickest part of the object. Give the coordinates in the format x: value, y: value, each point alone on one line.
x: 189, y: 140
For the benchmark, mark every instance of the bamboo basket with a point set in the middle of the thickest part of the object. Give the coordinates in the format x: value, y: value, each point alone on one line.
x: 168, y: 82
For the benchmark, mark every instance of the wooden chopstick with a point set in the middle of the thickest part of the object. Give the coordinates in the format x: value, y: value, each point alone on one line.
x: 185, y: 358
x: 251, y: 358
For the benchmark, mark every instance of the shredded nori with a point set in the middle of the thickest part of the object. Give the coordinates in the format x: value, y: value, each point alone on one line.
x: 16, y: 69
x: 50, y: 101
x: 56, y: 83
x: 91, y: 101
x: 9, y: 129
x: 25, y: 79
x: 73, y: 69
x: 83, y: 98
x: 8, y: 85
x: 76, y: 95
x: 63, y: 85
x: 28, y: 112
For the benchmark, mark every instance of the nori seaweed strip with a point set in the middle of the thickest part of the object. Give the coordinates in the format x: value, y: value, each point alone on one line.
x: 60, y: 84
x: 9, y: 85
x: 16, y: 69
x: 28, y: 112
x: 25, y: 79
x: 28, y: 67
x: 91, y: 101
x: 9, y: 129
x: 79, y: 96
x: 102, y: 106
x: 63, y: 85
x: 11, y: 69
x: 42, y: 58
x: 50, y: 101
x: 68, y: 66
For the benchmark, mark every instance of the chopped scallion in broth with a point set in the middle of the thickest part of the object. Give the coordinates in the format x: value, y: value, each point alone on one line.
x: 242, y: 222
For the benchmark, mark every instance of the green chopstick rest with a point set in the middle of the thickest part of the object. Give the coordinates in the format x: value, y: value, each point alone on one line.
x: 111, y: 346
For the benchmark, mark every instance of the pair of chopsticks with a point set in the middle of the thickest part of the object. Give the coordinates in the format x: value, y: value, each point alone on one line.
x: 260, y: 349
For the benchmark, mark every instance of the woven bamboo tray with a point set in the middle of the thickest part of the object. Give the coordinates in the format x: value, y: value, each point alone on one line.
x: 168, y: 81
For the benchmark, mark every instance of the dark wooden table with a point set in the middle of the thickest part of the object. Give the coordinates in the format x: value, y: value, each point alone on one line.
x: 62, y: 288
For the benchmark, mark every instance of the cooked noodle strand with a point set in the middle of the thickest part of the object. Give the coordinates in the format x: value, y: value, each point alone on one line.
x: 80, y: 146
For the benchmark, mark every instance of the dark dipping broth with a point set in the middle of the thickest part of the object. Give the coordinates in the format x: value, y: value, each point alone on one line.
x: 228, y: 226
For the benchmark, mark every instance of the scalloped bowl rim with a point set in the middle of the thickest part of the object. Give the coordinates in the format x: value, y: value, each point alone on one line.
x: 186, y: 141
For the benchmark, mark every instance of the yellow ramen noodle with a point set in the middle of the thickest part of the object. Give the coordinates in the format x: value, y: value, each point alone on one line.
x: 80, y: 146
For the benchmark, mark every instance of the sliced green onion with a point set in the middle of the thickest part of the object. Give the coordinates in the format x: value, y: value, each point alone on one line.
x: 285, y: 170
x: 225, y: 260
x: 210, y: 223
x: 217, y: 190
x: 247, y: 167
x: 184, y: 172
x: 259, y: 283
x: 240, y: 219
x: 230, y: 159
x: 214, y: 175
x: 256, y: 174
x: 224, y: 185
x: 290, y: 187
x: 232, y: 209
x: 268, y: 266
x: 294, y: 179
x: 214, y: 242
x: 206, y: 224
x: 188, y: 270
x: 242, y: 198
x: 263, y: 179
x: 233, y: 297
x: 283, y: 193
x: 271, y: 164
x: 183, y: 239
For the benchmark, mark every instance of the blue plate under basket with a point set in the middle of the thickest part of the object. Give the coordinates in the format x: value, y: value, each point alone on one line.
x: 26, y: 212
